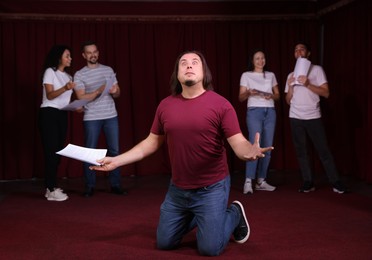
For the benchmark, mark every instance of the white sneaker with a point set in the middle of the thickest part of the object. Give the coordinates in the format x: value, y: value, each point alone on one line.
x: 248, y: 188
x: 264, y: 186
x: 47, y: 192
x: 56, y: 195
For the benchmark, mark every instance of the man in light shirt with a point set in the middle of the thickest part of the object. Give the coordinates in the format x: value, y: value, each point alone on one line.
x: 303, y: 95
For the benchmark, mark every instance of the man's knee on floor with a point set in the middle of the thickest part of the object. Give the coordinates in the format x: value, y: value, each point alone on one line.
x: 210, y: 249
x: 165, y: 244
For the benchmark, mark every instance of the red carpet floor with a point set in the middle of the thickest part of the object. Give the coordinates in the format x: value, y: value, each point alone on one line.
x: 284, y: 224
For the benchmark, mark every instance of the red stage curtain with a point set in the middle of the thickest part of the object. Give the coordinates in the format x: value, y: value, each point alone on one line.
x: 348, y: 112
x: 143, y: 55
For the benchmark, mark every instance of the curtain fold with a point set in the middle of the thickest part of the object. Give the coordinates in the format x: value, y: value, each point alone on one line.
x: 143, y: 54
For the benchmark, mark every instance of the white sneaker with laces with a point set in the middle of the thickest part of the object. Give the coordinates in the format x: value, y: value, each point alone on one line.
x: 248, y: 188
x: 264, y: 186
x: 56, y: 195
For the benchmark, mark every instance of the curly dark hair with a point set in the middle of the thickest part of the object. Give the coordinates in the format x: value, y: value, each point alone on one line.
x: 53, y: 58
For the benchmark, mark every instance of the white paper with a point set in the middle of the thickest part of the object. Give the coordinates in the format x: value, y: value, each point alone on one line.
x: 109, y: 83
x: 80, y: 153
x: 302, y: 68
x: 76, y: 104
x: 263, y: 93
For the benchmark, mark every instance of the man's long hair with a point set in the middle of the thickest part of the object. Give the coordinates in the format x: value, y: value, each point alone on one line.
x: 176, y: 87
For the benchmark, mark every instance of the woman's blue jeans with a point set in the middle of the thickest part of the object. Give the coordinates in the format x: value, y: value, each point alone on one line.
x: 261, y: 120
x: 204, y: 208
x: 93, y: 129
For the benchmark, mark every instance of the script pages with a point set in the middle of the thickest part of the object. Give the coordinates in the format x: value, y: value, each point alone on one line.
x: 88, y: 155
x: 74, y: 105
x: 302, y: 68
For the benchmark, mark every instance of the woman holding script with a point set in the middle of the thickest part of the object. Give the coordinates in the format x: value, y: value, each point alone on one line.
x: 260, y: 88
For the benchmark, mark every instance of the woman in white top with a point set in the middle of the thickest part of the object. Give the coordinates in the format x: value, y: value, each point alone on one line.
x: 53, y: 121
x: 260, y: 88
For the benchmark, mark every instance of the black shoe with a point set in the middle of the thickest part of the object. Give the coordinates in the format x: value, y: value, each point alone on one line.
x: 88, y: 192
x: 242, y: 231
x: 118, y: 191
x: 339, y: 187
x: 307, y: 187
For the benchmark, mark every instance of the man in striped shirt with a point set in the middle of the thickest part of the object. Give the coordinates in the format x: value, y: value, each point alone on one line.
x: 100, y: 113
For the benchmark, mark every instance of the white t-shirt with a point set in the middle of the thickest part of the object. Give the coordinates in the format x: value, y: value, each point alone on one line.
x: 58, y: 79
x: 305, y: 103
x: 256, y: 80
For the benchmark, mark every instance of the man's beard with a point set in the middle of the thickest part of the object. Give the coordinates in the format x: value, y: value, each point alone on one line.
x: 93, y: 61
x: 190, y: 83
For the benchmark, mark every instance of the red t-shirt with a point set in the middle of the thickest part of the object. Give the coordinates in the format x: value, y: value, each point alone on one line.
x: 195, y: 131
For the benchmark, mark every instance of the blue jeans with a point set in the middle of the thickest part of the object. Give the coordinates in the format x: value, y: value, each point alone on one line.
x: 315, y: 130
x: 204, y: 208
x: 92, y: 132
x: 261, y: 120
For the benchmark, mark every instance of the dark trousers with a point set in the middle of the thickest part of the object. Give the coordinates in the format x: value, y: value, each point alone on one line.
x: 315, y: 130
x: 53, y: 128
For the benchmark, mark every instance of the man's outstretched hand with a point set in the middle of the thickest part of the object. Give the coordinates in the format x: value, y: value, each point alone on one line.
x: 257, y: 151
x: 106, y: 164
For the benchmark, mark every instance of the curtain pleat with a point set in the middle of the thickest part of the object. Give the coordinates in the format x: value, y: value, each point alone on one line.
x: 143, y: 55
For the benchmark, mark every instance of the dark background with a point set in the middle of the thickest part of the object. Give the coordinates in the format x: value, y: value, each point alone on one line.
x: 141, y: 40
